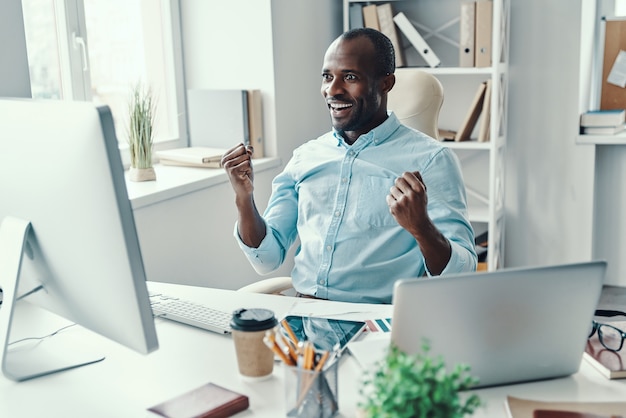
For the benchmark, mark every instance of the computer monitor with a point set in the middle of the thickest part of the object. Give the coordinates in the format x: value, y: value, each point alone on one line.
x: 67, y: 236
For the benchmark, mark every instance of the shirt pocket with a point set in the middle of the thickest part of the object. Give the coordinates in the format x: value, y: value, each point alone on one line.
x: 372, y: 210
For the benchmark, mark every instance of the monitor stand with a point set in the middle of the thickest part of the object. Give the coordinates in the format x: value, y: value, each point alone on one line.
x: 31, y: 356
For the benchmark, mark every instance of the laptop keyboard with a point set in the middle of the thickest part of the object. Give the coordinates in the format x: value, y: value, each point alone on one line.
x: 190, y: 313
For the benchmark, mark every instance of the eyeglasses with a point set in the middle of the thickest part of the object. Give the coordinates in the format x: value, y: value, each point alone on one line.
x: 610, y: 337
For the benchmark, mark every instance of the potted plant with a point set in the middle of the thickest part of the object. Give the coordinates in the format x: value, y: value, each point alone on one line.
x: 141, y: 112
x: 407, y: 386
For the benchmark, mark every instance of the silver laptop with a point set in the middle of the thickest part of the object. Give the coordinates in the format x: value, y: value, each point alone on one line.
x: 511, y: 325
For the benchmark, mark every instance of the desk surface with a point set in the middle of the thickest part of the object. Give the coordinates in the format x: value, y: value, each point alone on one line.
x: 126, y: 383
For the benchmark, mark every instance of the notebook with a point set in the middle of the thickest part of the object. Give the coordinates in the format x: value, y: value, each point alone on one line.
x: 509, y: 325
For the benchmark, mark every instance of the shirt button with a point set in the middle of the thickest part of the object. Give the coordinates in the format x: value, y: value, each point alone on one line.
x: 322, y: 282
x: 328, y: 247
x: 337, y: 213
x: 344, y: 180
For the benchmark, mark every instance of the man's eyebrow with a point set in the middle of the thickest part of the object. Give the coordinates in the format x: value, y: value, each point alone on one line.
x: 344, y: 71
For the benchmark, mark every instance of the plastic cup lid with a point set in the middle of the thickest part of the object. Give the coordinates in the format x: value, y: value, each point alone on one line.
x: 256, y: 319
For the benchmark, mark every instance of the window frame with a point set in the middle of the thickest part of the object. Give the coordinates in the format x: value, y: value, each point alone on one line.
x: 75, y: 66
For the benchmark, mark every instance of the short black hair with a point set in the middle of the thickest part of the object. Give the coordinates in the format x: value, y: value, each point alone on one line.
x: 383, y: 48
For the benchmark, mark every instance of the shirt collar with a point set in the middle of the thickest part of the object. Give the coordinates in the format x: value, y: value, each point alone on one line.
x: 377, y: 136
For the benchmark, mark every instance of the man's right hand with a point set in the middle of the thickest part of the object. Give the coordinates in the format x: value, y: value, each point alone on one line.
x: 238, y: 165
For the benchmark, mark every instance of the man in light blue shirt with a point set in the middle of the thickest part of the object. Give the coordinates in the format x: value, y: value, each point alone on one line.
x: 372, y: 201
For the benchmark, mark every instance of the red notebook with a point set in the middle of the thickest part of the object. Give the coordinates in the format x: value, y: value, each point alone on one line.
x: 544, y: 413
x: 611, y: 364
x: 530, y: 408
x: 207, y: 401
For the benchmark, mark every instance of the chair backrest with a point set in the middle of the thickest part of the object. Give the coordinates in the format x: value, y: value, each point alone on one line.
x: 416, y: 99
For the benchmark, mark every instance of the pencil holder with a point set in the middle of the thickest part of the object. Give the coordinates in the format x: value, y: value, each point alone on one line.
x: 311, y: 394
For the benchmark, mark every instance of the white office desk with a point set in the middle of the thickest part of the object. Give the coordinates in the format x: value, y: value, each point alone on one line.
x: 126, y: 383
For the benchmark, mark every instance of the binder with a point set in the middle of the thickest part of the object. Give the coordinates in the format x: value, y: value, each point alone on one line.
x: 370, y: 16
x: 612, y: 96
x: 416, y: 40
x: 388, y: 27
x: 485, y: 117
x: 464, y: 132
x: 466, y: 34
x: 355, y: 15
x: 255, y: 122
x: 482, y: 50
x: 217, y: 118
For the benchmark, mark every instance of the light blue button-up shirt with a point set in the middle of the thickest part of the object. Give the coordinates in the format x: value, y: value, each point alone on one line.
x: 333, y: 197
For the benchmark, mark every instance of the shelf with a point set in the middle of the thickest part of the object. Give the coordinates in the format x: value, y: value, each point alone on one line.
x: 619, y: 139
x: 451, y: 70
x: 469, y: 145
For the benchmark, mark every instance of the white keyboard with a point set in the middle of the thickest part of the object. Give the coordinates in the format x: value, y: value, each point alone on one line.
x: 190, y: 313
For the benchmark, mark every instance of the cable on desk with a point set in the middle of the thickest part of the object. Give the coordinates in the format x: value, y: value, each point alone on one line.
x: 43, y: 337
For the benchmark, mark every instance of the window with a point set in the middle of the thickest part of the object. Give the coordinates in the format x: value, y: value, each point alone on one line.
x: 99, y: 49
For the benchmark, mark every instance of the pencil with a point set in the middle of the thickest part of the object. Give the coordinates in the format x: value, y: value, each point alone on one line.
x: 309, y: 355
x: 270, y: 342
x: 290, y: 332
x: 286, y: 343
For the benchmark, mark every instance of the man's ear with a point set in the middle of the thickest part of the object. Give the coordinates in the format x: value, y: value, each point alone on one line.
x: 388, y: 82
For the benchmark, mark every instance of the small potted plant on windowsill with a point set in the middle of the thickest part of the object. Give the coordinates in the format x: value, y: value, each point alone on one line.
x: 141, y: 111
x: 407, y: 386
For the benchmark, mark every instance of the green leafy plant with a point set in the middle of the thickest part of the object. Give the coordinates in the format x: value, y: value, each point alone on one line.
x: 141, y: 112
x: 411, y: 386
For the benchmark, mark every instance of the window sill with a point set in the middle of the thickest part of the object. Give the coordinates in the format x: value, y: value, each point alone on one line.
x: 175, y: 181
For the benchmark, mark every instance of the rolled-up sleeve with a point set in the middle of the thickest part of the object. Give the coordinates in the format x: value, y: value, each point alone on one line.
x: 267, y: 257
x: 448, y: 211
x: 280, y: 220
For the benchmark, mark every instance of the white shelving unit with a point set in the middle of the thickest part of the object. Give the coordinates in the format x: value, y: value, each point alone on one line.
x: 482, y: 162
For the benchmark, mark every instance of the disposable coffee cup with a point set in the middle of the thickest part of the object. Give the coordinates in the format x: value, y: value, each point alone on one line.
x: 254, y: 359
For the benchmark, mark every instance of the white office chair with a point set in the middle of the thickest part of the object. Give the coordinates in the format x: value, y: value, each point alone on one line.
x: 416, y: 99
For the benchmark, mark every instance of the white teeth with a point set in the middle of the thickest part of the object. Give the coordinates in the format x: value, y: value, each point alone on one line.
x: 340, y: 106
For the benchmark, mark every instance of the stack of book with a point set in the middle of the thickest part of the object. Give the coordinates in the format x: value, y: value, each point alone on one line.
x: 603, y: 122
x: 192, y: 157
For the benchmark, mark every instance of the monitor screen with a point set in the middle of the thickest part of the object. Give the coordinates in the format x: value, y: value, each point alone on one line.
x: 67, y: 234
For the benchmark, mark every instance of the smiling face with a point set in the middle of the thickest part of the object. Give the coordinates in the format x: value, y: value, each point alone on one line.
x: 354, y: 87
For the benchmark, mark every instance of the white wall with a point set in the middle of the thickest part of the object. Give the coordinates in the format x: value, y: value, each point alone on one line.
x: 189, y: 239
x: 274, y: 45
x: 14, y: 76
x: 549, y: 179
x: 301, y: 37
x: 609, y: 225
